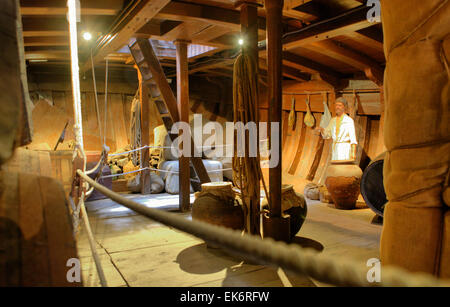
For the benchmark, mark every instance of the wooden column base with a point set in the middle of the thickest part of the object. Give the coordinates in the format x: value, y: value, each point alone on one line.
x: 277, y: 228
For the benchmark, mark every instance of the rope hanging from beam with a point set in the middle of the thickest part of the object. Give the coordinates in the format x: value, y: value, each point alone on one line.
x: 247, y: 170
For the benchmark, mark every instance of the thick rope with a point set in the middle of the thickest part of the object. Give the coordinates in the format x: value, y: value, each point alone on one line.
x: 97, y: 108
x: 210, y: 147
x: 81, y: 207
x: 106, y: 103
x: 247, y: 172
x: 327, y: 269
x: 72, y: 9
x: 160, y: 170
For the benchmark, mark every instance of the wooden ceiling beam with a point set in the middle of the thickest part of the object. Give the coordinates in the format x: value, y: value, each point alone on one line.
x: 210, y: 65
x: 219, y: 73
x: 46, y: 41
x: 157, y: 28
x: 52, y: 7
x: 40, y: 33
x: 371, y: 37
x: 350, y: 21
x: 305, y: 10
x: 47, y: 55
x: 40, y: 26
x: 287, y: 71
x: 307, y: 65
x: 141, y: 15
x: 181, y: 11
x: 350, y: 57
x: 295, y: 74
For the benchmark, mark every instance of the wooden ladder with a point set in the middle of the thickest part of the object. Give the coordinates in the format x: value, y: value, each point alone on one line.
x: 154, y: 78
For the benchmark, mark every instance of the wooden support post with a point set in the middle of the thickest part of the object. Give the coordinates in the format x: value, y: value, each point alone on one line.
x: 249, y: 29
x: 332, y: 100
x: 381, y: 147
x: 274, y: 58
x: 275, y: 225
x: 183, y: 110
x: 249, y: 34
x: 145, y: 136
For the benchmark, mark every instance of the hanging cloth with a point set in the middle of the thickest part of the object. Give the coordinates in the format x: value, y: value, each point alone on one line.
x: 292, y: 115
x: 309, y: 118
x: 326, y: 117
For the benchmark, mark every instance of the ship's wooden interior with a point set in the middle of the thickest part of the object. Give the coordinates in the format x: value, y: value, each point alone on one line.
x: 329, y: 49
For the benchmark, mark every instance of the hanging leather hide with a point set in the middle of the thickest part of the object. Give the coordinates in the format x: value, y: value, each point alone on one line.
x: 326, y: 117
x: 292, y: 115
x: 309, y: 118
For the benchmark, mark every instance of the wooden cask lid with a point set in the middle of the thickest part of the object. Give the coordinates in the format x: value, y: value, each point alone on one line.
x: 36, y: 237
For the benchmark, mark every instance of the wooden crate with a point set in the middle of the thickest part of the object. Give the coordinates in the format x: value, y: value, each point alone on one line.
x: 120, y: 185
x: 29, y: 162
x: 61, y: 161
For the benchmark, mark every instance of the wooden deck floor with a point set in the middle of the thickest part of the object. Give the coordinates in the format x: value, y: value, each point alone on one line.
x: 136, y: 251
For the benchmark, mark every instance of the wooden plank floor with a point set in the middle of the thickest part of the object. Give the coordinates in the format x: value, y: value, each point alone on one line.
x: 136, y: 251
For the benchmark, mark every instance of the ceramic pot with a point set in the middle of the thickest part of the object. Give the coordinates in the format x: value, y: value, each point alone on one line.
x: 293, y: 204
x: 343, y: 180
x: 217, y: 204
x: 325, y: 196
x: 311, y: 191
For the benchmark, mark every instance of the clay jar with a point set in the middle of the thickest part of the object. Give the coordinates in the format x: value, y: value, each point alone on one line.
x: 217, y: 204
x: 325, y: 196
x: 293, y: 204
x: 343, y: 180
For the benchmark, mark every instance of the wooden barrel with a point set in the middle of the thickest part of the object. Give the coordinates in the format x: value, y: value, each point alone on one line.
x: 36, y: 237
x: 372, y: 188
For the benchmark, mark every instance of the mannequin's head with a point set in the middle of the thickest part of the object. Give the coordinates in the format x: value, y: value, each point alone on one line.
x: 340, y: 106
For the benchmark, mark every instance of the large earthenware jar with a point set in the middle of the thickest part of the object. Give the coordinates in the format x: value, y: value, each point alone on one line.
x: 343, y: 179
x: 293, y: 204
x: 217, y: 204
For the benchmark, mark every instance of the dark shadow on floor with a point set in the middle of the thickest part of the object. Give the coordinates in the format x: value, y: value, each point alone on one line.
x: 264, y: 277
x: 200, y: 259
x: 307, y: 243
x: 377, y: 220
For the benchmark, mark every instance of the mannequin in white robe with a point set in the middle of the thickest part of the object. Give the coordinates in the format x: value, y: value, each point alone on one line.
x: 342, y: 130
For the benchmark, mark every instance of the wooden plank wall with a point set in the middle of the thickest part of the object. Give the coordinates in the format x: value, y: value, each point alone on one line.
x: 300, y: 144
x: 215, y: 103
x: 49, y: 120
x: 51, y: 114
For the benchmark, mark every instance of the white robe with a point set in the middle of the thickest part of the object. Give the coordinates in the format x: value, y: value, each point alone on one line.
x: 341, y: 149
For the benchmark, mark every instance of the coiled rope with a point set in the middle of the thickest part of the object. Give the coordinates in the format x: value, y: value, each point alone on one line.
x: 327, y: 269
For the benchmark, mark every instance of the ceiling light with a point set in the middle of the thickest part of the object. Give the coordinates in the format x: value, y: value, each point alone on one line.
x: 87, y: 36
x: 241, y: 41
